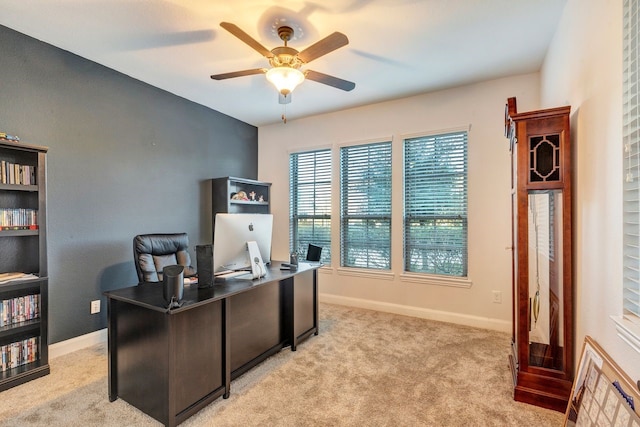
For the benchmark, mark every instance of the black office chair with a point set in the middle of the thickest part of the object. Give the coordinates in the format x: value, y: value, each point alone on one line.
x: 153, y: 252
x: 313, y: 253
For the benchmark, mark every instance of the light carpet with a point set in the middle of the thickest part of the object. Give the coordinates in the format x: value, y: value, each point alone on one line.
x: 365, y: 368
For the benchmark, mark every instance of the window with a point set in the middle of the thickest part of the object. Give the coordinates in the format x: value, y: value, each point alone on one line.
x: 631, y: 139
x: 365, y: 210
x: 310, y: 202
x: 435, y: 204
x: 628, y: 325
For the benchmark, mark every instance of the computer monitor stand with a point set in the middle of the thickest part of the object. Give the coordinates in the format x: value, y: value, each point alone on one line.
x: 258, y: 268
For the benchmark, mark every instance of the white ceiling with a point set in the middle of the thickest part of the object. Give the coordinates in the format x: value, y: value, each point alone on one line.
x: 397, y: 48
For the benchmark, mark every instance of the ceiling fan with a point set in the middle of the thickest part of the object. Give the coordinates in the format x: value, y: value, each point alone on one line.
x: 285, y: 61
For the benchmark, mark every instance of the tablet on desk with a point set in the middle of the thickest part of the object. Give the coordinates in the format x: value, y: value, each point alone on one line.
x: 285, y: 266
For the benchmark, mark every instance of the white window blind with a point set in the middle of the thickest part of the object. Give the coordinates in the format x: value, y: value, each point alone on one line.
x: 631, y: 140
x: 310, y: 202
x: 365, y: 182
x: 435, y: 204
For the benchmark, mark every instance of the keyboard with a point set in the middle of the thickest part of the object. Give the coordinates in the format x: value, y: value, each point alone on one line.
x: 233, y: 275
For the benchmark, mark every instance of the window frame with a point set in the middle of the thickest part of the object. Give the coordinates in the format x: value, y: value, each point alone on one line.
x: 367, y: 269
x: 294, y: 216
x: 628, y: 323
x: 433, y: 276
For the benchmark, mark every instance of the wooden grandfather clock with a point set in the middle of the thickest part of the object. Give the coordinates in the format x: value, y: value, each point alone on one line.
x: 542, y: 337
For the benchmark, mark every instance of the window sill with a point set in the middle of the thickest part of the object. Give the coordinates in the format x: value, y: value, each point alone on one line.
x: 372, y: 274
x: 325, y: 269
x: 628, y: 331
x: 431, y: 279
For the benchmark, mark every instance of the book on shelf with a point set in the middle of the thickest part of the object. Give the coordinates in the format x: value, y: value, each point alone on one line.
x: 13, y: 276
x: 19, y: 353
x: 18, y: 219
x: 19, y: 309
x: 14, y: 173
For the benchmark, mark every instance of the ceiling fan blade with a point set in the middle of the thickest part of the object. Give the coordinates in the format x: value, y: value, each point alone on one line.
x: 236, y: 31
x: 330, y: 80
x: 238, y: 74
x: 324, y: 46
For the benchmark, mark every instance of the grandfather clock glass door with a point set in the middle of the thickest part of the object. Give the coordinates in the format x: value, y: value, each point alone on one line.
x: 542, y: 358
x: 545, y: 276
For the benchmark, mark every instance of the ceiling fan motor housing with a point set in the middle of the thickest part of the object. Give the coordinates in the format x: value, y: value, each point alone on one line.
x: 284, y: 56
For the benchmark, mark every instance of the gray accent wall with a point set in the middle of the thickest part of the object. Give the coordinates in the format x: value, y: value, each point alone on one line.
x: 125, y: 158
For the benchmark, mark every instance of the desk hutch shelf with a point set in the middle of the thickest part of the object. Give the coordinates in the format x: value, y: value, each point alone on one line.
x: 240, y: 195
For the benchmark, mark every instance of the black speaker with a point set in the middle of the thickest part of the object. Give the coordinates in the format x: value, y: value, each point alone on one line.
x: 173, y: 285
x: 204, y: 260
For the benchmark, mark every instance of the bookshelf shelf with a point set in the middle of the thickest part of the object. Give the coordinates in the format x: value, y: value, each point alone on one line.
x: 18, y: 330
x: 22, y: 374
x: 20, y: 285
x: 24, y: 353
x: 18, y: 187
x: 15, y: 233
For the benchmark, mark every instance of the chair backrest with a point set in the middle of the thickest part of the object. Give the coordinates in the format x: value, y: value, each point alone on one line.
x: 153, y: 252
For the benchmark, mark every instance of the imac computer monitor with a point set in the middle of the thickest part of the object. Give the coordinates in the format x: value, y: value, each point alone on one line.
x: 231, y: 234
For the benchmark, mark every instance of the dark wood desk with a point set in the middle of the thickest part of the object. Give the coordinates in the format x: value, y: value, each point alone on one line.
x: 172, y: 363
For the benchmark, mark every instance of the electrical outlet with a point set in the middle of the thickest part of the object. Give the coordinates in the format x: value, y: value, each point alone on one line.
x: 497, y: 297
x: 95, y: 306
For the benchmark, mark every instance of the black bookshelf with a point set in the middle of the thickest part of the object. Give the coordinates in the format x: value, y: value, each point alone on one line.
x: 23, y: 249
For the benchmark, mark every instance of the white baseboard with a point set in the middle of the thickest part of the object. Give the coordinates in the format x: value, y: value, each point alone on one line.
x: 63, y: 347
x: 422, y: 313
x: 77, y: 343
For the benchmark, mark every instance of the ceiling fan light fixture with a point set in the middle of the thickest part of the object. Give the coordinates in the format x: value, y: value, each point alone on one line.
x: 285, y: 79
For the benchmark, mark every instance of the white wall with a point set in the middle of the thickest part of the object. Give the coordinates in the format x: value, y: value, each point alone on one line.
x: 479, y: 107
x: 583, y: 69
